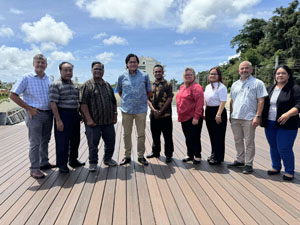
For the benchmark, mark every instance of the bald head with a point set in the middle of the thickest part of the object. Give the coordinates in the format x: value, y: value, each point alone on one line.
x: 245, y: 69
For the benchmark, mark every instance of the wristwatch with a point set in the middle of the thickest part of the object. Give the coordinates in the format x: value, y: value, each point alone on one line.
x: 258, y: 116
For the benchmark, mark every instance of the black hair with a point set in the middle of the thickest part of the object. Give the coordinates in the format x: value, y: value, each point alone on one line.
x: 95, y: 63
x: 288, y: 70
x: 62, y: 63
x: 131, y: 55
x: 158, y: 65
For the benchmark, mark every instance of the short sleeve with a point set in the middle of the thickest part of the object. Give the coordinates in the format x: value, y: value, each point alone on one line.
x: 119, y: 86
x: 20, y: 86
x: 54, y: 93
x: 223, y: 94
x: 84, y: 94
x: 261, y: 89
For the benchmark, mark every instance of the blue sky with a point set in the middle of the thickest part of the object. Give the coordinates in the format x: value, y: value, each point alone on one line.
x: 178, y: 33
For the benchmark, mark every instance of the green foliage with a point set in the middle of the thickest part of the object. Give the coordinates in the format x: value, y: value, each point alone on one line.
x: 260, y: 42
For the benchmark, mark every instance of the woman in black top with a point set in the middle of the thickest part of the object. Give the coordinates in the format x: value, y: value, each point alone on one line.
x: 280, y: 119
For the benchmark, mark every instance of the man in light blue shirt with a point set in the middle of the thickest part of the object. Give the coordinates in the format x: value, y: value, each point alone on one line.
x: 134, y: 87
x: 246, y: 105
x: 35, y: 89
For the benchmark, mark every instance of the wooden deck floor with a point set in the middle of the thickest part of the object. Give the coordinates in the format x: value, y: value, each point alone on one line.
x: 176, y: 193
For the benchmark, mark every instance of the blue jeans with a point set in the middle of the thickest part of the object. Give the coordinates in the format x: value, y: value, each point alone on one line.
x: 93, y: 135
x: 281, y: 143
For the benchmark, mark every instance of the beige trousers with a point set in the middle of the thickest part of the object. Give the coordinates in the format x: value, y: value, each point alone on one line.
x: 140, y: 124
x: 244, y: 135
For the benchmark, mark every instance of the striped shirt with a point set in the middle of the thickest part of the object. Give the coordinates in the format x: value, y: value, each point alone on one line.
x: 35, y: 90
x: 101, y: 101
x: 65, y: 95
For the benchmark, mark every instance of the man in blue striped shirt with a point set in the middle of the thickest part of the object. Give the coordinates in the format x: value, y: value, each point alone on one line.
x: 39, y: 118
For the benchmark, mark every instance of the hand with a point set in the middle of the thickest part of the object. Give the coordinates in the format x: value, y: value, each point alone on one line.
x: 59, y: 125
x: 156, y: 114
x: 283, y: 118
x: 32, y: 111
x: 218, y: 119
x: 255, y: 122
x: 195, y: 122
x: 115, y: 118
x: 90, y: 123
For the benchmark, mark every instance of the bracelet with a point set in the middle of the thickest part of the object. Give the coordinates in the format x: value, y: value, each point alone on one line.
x: 218, y: 116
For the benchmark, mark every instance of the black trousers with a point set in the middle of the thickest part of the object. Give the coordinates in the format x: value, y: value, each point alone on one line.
x: 216, y: 132
x: 164, y: 126
x: 192, y: 135
x: 68, y: 140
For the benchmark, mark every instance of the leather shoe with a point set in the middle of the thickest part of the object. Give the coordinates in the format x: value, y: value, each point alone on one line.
x: 214, y: 162
x: 125, y: 161
x: 47, y: 167
x: 143, y: 161
x: 152, y: 155
x: 273, y: 172
x: 76, y: 163
x: 37, y: 174
x: 64, y: 169
x: 285, y: 177
x: 187, y: 158
x: 168, y: 159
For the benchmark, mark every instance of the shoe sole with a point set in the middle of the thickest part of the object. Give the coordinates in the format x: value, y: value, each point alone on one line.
x: 107, y: 164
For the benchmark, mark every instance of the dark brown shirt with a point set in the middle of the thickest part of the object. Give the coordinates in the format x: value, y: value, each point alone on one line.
x: 101, y: 101
x: 160, y: 93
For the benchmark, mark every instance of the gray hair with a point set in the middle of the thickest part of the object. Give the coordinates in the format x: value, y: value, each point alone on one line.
x: 39, y: 56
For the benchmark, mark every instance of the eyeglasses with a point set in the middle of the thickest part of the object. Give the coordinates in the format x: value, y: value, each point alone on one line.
x: 213, y: 74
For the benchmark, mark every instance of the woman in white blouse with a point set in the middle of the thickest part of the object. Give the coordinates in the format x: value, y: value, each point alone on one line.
x: 215, y: 96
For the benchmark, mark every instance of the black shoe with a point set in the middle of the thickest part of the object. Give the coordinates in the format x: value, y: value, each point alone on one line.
x: 273, y: 172
x: 125, y: 161
x: 168, y: 159
x: 214, y: 162
x: 152, y: 155
x: 247, y: 169
x: 64, y: 169
x: 236, y: 164
x: 143, y: 161
x: 76, y: 163
x: 110, y: 162
x: 187, y: 158
x: 47, y: 167
x: 195, y: 162
x: 287, y: 178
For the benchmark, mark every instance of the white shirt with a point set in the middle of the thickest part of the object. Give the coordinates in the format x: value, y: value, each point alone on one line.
x: 213, y: 97
x: 273, y: 105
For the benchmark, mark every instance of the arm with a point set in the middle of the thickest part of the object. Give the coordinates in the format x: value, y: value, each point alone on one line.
x: 231, y: 105
x: 199, y: 101
x: 219, y: 113
x: 16, y: 98
x: 59, y: 123
x: 285, y: 116
x: 149, y: 94
x: 260, y: 107
x: 85, y: 110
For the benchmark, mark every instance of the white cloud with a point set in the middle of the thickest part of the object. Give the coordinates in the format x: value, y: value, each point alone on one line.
x: 48, y: 46
x: 115, y: 40
x: 47, y: 30
x: 15, y: 11
x: 100, y: 35
x: 241, y: 19
x: 234, y: 56
x: 14, y: 62
x: 130, y: 12
x: 185, y: 42
x: 62, y: 56
x: 6, y: 31
x: 105, y: 57
x: 203, y: 14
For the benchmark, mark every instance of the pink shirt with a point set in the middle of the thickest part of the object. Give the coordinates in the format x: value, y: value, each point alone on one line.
x: 190, y: 102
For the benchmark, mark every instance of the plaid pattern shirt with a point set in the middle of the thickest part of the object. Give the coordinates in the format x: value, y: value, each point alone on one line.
x: 160, y: 93
x: 35, y: 90
x: 101, y: 101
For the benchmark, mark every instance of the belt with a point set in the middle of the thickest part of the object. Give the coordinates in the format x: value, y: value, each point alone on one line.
x: 41, y: 110
x: 66, y: 109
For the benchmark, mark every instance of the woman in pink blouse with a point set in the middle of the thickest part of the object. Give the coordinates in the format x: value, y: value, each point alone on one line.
x: 190, y: 100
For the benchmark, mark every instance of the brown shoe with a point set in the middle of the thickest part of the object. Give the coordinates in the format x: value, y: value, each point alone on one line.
x: 37, y: 174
